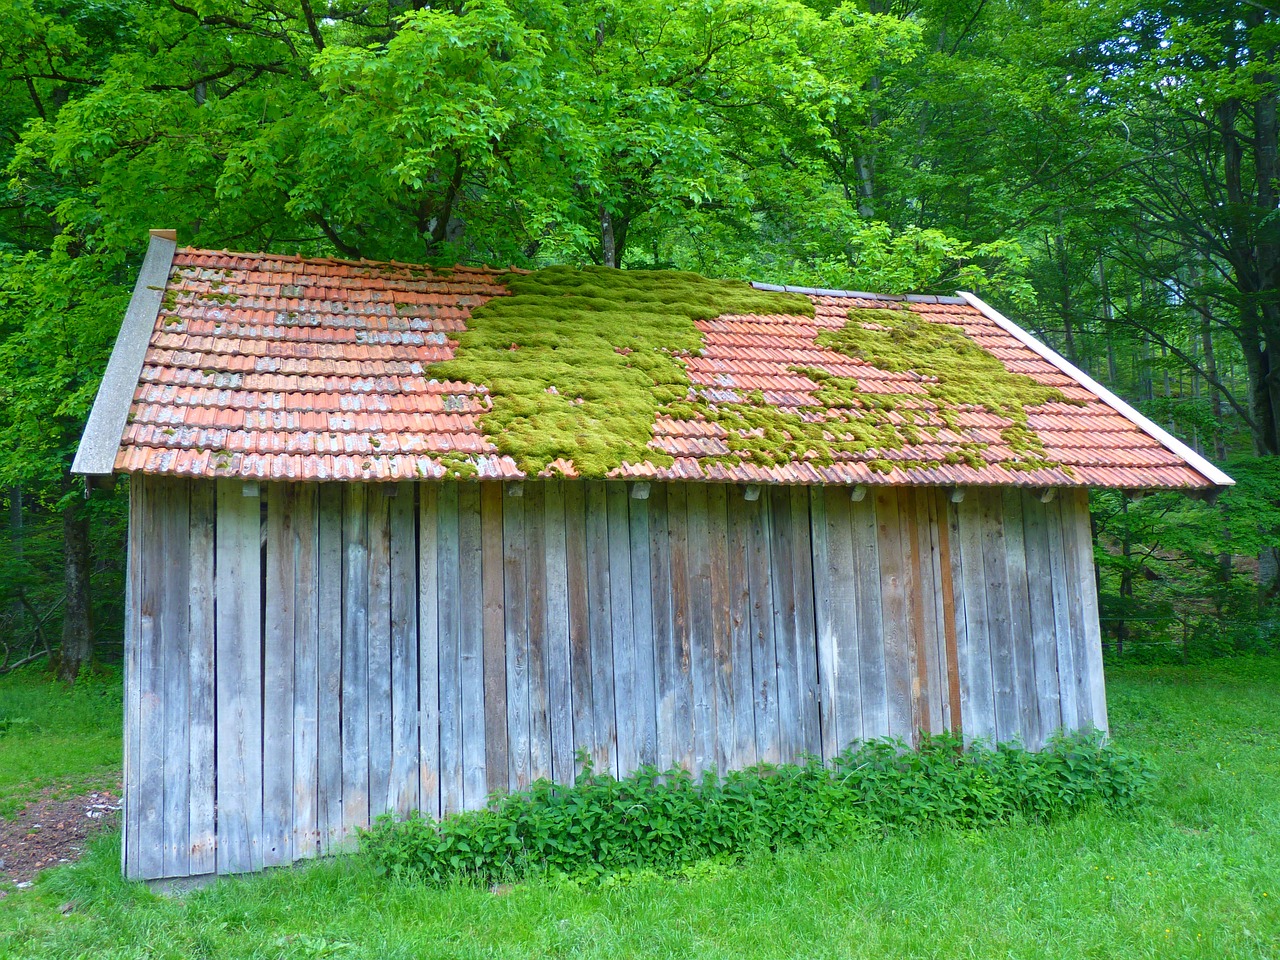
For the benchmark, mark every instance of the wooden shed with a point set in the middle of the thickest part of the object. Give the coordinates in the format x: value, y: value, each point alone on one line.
x: 352, y: 590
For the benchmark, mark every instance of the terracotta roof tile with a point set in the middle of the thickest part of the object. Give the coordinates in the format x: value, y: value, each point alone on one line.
x: 268, y: 366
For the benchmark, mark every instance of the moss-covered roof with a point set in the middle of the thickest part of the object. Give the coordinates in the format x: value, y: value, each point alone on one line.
x: 270, y: 366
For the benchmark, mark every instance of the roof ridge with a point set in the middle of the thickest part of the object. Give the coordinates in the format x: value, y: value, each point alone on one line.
x: 340, y: 261
x: 858, y: 294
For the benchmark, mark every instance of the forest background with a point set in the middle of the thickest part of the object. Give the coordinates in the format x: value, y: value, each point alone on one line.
x: 1106, y: 171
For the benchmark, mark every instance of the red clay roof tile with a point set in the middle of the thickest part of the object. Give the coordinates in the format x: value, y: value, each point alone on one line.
x: 269, y: 366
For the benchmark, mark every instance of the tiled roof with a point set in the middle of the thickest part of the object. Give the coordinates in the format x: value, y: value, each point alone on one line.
x: 269, y: 366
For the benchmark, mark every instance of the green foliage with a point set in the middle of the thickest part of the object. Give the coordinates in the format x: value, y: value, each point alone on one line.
x: 578, y: 362
x: 668, y: 820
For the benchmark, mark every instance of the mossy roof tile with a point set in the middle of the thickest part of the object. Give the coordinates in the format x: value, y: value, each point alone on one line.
x: 275, y: 367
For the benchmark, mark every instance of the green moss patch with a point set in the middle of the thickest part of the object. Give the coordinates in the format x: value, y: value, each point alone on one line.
x: 578, y: 363
x: 847, y: 421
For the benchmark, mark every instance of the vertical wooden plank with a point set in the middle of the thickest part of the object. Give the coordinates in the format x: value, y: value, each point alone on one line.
x: 701, y: 626
x: 599, y: 618
x: 675, y: 681
x: 1029, y: 727
x: 806, y: 631
x: 742, y: 750
x: 277, y: 667
x: 480, y: 634
x: 405, y: 793
x: 782, y: 564
x: 1040, y: 604
x: 238, y: 590
x: 355, y: 659
x: 378, y: 696
x: 201, y: 667
x: 953, y: 613
x: 306, y: 673
x: 559, y: 676
x: 976, y: 684
x: 895, y: 587
x: 999, y: 614
x: 842, y: 578
x: 721, y: 665
x: 151, y: 732
x: 452, y: 586
x: 645, y: 717
x: 175, y: 649
x: 824, y: 620
x: 329, y: 664
x: 1091, y: 630
x: 764, y: 655
x: 664, y: 642
x: 515, y: 644
x: 874, y: 683
x: 139, y: 526
x: 946, y: 676
x: 429, y: 759
x: 540, y: 694
x: 1060, y: 573
x: 584, y: 735
x: 924, y: 624
x: 622, y: 626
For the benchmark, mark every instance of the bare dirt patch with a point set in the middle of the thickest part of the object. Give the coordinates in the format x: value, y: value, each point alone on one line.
x: 51, y: 830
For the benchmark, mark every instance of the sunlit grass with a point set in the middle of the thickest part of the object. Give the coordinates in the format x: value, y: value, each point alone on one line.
x: 52, y: 735
x: 1196, y: 874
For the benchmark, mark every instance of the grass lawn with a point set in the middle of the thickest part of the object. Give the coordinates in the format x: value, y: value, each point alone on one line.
x: 1196, y: 874
x: 54, y: 736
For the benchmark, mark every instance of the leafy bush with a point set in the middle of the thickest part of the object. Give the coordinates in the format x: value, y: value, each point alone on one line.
x: 668, y: 820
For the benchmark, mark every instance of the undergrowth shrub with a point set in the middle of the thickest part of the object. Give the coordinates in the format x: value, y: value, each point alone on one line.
x: 667, y: 820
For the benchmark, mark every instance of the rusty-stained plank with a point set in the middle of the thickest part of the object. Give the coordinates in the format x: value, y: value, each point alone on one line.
x: 945, y: 517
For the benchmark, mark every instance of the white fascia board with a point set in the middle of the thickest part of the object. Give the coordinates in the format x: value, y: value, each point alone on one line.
x: 96, y: 455
x: 1166, y: 439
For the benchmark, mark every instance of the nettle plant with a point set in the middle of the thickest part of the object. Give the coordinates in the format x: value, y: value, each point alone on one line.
x: 666, y: 821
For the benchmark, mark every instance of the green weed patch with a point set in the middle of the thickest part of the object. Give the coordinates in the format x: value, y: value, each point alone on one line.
x: 668, y: 820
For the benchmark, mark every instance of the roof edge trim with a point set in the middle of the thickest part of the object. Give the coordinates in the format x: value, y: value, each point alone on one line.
x: 1166, y: 439
x: 96, y: 455
x: 859, y: 294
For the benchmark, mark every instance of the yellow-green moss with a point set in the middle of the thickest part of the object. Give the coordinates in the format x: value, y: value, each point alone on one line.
x: 579, y: 362
x: 846, y: 420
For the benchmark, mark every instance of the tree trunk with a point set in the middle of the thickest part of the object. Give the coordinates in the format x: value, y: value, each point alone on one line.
x: 77, y: 612
x: 608, y: 246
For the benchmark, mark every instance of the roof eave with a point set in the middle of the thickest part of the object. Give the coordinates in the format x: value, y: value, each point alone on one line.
x: 96, y: 455
x: 1215, y: 477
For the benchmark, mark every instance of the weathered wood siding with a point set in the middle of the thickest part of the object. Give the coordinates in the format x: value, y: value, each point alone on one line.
x: 303, y: 658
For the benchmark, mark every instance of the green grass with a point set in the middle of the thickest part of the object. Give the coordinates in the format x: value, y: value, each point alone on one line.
x: 56, y: 736
x: 1196, y: 874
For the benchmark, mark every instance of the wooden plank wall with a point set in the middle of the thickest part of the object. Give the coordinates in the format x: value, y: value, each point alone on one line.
x: 339, y: 651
